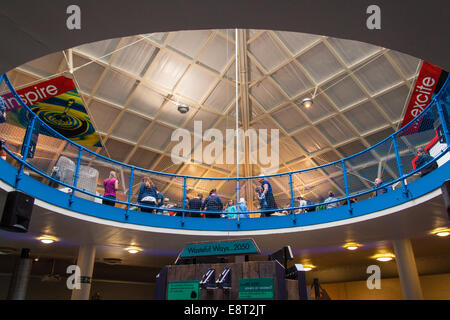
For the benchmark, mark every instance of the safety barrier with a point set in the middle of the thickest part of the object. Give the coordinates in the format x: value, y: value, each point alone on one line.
x: 394, y: 160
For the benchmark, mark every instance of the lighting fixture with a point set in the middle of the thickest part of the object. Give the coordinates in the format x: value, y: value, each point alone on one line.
x: 351, y: 246
x: 47, y: 239
x: 442, y: 232
x: 133, y: 250
x: 307, y: 102
x: 384, y: 257
x: 308, y: 267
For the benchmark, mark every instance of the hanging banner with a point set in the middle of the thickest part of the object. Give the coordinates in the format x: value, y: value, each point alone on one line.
x: 420, y: 98
x: 58, y: 103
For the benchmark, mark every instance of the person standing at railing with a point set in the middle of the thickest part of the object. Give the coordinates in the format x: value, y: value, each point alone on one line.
x: 268, y: 195
x: 2, y: 119
x: 262, y: 200
x: 230, y: 210
x: 331, y: 198
x: 213, y: 203
x: 111, y: 186
x: 147, y: 195
x: 241, y: 209
x: 378, y: 182
x: 423, y: 157
x: 195, y: 204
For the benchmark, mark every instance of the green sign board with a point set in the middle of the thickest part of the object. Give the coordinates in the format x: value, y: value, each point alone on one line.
x: 256, y: 289
x: 183, y: 290
x: 219, y: 248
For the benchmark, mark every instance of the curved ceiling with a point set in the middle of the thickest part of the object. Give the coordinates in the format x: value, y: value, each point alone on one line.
x: 132, y: 85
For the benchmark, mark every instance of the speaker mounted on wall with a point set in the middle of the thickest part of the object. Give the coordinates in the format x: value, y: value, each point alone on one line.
x: 17, y: 212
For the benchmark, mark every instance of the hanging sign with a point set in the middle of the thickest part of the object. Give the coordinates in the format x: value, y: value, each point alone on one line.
x: 58, y: 103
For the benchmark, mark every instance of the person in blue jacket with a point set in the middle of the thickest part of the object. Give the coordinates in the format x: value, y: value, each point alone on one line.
x: 147, y: 195
x: 242, y: 209
x: 268, y: 195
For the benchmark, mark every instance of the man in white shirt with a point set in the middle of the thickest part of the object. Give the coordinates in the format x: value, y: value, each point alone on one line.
x: 330, y: 199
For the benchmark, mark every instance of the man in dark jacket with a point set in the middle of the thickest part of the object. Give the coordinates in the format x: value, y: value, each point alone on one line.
x: 213, y: 203
x: 195, y: 204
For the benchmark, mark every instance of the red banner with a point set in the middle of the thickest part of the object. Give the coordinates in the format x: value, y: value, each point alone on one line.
x: 423, y: 91
x: 39, y: 92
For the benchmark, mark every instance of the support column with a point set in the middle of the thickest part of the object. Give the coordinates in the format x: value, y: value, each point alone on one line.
x: 85, y: 261
x: 21, y: 275
x: 407, y: 270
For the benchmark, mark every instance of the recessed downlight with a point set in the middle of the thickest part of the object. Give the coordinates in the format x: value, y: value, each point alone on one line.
x: 351, y: 246
x: 441, y: 232
x: 47, y: 239
x: 384, y: 257
x: 133, y: 250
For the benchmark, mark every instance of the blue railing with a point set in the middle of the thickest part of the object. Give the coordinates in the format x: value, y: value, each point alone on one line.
x: 351, y: 178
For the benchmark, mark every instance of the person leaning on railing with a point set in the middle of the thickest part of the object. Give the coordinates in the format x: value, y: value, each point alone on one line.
x: 147, y: 194
x: 424, y: 157
x: 195, y: 206
x: 378, y: 182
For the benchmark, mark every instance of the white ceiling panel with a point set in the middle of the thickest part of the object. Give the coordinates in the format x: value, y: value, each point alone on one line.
x: 267, y: 51
x: 221, y: 97
x: 130, y: 127
x: 292, y: 79
x: 218, y: 53
x: 87, y: 76
x: 336, y: 129
x: 195, y: 83
x: 343, y: 91
x: 296, y: 41
x: 100, y: 50
x: 393, y: 102
x: 103, y: 115
x: 115, y: 87
x: 366, y: 117
x: 167, y: 69
x: 378, y: 75
x: 407, y: 63
x: 189, y: 42
x: 320, y: 63
x: 135, y: 58
x: 267, y: 94
x: 289, y: 118
x: 352, y: 51
x: 158, y: 137
x: 146, y: 101
x: 311, y: 139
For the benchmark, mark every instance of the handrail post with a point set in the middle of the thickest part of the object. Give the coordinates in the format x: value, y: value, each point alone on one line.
x: 130, y: 192
x: 347, y: 193
x: 28, y: 136
x: 399, y: 164
x: 294, y: 218
x: 183, y: 205
x: 443, y: 122
x: 75, y: 176
x: 238, y: 190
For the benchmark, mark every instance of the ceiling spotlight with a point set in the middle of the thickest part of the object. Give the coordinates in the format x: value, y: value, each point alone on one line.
x: 47, y: 239
x: 308, y: 267
x: 384, y: 257
x: 307, y: 102
x: 352, y: 246
x: 442, y: 232
x: 133, y: 250
x: 182, y: 108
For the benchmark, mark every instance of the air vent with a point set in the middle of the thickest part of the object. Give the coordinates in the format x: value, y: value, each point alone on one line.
x: 112, y: 260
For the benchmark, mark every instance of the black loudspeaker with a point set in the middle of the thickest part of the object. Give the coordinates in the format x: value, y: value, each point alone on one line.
x: 446, y: 195
x: 17, y: 212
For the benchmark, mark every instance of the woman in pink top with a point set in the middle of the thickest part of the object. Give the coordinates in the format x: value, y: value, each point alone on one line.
x: 111, y: 185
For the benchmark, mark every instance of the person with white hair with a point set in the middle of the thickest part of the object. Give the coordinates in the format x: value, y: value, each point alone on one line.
x: 242, y: 209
